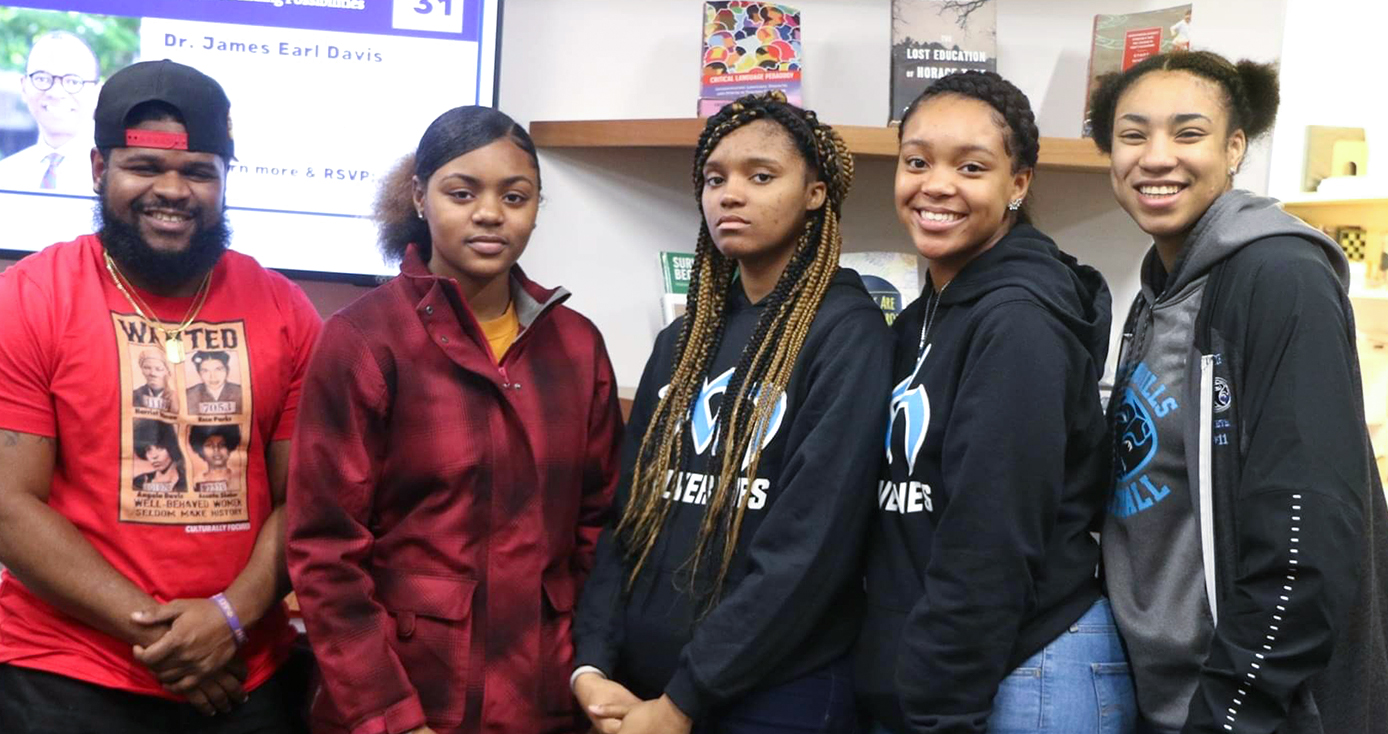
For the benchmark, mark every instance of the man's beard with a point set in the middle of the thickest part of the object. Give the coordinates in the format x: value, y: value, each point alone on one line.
x: 161, y: 271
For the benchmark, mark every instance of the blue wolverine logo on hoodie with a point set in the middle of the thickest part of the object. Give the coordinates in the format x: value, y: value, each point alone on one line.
x: 915, y: 403
x: 703, y: 419
x: 703, y: 416
x: 908, y: 497
x: 693, y: 488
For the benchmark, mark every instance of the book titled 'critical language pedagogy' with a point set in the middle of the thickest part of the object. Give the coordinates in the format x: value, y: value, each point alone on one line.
x: 749, y: 48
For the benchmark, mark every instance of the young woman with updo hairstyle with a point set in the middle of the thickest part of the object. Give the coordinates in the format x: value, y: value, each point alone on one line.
x: 454, y: 458
x: 726, y: 593
x: 984, y: 610
x: 1246, y: 544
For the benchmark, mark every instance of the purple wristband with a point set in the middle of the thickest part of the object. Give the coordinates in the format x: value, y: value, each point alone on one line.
x: 232, y: 620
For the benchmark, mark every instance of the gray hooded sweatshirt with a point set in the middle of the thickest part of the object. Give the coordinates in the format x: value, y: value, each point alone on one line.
x: 1157, y: 548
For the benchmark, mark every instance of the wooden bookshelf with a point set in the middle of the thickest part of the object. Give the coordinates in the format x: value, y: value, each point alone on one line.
x: 1057, y: 154
x: 1371, y: 213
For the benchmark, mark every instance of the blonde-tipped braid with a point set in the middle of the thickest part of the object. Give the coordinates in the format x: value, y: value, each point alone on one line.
x: 782, y: 351
x: 767, y: 362
x: 660, y: 450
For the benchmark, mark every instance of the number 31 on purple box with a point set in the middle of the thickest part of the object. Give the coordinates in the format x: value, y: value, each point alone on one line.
x: 440, y: 16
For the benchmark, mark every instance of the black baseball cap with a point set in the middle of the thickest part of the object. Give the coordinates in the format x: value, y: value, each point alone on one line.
x: 198, y: 98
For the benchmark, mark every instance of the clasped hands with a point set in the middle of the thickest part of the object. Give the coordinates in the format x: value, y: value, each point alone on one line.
x: 612, y: 708
x: 189, y: 647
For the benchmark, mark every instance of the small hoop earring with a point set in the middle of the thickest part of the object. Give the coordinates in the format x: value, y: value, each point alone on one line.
x: 1014, y: 205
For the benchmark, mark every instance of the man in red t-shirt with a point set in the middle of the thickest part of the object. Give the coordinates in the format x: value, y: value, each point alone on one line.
x: 145, y: 574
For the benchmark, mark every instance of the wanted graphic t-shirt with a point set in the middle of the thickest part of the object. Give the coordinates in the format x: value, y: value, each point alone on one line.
x: 160, y: 464
x: 184, y: 463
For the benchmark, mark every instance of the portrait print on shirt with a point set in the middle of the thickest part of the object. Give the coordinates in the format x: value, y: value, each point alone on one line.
x: 159, y: 464
x: 215, y: 448
x: 185, y: 426
x: 156, y: 395
x: 215, y: 383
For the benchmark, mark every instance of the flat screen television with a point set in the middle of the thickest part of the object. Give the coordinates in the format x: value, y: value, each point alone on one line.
x: 326, y: 95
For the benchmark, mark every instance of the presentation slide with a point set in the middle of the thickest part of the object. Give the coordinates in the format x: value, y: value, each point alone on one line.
x: 326, y: 95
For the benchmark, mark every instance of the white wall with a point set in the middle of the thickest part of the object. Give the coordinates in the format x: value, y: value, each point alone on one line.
x: 607, y: 213
x: 1333, y: 73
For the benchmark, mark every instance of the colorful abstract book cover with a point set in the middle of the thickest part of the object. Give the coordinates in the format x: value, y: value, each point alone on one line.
x: 1123, y: 40
x: 932, y: 38
x: 749, y: 48
x: 891, y: 278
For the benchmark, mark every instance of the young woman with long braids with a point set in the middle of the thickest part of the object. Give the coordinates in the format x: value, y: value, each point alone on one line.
x: 1246, y: 545
x: 725, y: 591
x: 984, y: 610
x: 455, y: 455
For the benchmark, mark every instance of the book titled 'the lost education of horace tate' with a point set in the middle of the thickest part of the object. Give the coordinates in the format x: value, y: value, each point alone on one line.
x: 932, y: 38
x: 1123, y: 40
x: 749, y: 48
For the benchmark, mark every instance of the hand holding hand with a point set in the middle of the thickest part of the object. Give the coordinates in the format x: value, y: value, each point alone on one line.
x: 220, y: 691
x: 198, y: 643
x: 604, y: 701
x: 660, y: 716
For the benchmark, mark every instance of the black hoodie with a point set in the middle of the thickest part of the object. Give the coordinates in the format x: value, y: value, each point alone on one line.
x: 792, y: 600
x: 997, y: 469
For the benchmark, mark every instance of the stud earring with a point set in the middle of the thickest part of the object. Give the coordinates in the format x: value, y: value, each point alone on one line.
x: 1014, y: 205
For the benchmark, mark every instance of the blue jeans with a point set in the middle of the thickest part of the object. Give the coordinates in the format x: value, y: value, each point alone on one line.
x: 1080, y: 683
x: 816, y: 703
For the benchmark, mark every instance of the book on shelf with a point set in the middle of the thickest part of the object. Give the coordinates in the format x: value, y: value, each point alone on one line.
x: 933, y: 38
x: 749, y: 48
x: 1120, y: 41
x: 674, y: 270
x: 891, y: 278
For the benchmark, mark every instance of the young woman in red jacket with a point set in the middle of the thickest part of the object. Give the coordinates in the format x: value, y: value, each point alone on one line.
x: 455, y: 454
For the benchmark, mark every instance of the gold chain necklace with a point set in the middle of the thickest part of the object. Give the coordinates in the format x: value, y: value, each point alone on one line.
x: 173, y: 338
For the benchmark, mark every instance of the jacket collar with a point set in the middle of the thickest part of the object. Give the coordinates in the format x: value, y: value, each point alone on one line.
x: 532, y: 300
